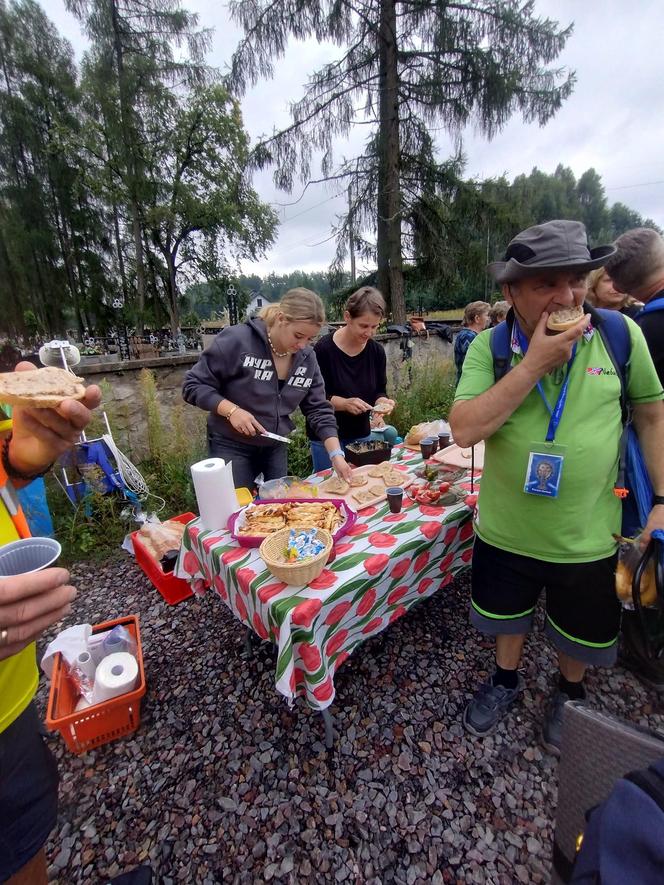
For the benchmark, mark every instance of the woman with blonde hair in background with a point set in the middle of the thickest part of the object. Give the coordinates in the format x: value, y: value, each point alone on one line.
x: 475, y: 320
x: 602, y: 293
x: 498, y: 312
x: 253, y: 377
x: 354, y: 369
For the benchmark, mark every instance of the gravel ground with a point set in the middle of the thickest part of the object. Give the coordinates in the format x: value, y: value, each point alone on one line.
x: 223, y: 783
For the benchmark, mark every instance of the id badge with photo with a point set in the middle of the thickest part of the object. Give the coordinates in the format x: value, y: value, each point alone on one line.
x: 544, y: 471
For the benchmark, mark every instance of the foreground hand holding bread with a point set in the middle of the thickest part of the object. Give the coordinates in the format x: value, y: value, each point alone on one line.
x: 41, y: 433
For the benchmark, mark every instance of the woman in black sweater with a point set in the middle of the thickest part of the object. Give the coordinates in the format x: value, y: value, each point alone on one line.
x: 354, y: 370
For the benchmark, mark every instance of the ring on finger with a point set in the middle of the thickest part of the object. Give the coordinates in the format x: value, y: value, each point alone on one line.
x: 4, y: 638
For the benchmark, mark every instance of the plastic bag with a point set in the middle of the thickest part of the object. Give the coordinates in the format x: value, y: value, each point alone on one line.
x: 427, y: 428
x: 629, y: 557
x: 286, y: 487
x: 119, y: 639
x: 159, y: 538
x: 82, y: 674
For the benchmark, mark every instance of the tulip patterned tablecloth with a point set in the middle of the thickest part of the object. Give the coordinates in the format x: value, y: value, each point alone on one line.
x: 385, y: 564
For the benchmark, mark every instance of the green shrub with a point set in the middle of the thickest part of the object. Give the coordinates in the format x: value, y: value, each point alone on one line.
x: 90, y: 530
x: 299, y: 458
x: 424, y: 393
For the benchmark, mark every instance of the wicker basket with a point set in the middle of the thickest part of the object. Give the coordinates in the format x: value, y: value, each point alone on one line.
x: 271, y: 551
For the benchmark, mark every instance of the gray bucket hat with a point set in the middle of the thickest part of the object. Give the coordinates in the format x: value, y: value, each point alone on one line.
x: 556, y: 245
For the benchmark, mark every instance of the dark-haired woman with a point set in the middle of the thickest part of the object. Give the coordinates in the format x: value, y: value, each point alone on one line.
x: 354, y: 369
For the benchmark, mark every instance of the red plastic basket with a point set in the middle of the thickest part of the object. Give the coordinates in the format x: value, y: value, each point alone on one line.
x: 103, y: 722
x: 173, y: 589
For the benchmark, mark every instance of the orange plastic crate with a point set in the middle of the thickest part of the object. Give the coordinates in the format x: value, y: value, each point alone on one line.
x: 103, y: 722
x: 173, y: 589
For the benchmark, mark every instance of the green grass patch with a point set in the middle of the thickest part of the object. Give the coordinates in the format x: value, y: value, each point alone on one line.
x: 455, y: 314
x: 426, y: 392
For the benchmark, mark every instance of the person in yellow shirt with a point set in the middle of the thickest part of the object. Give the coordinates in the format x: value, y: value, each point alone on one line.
x: 29, y: 604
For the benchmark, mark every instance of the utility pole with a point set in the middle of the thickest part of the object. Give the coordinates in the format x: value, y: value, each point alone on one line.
x: 351, y: 241
x: 486, y: 272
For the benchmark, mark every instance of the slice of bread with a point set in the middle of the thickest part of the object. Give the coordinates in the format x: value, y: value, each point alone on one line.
x: 560, y: 320
x: 40, y: 388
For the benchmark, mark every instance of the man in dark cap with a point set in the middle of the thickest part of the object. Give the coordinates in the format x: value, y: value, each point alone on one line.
x: 637, y: 269
x: 557, y: 401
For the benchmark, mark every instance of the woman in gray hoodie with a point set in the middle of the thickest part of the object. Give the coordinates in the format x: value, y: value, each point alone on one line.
x: 253, y: 377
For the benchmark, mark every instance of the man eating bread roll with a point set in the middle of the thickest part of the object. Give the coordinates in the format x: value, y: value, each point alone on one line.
x: 542, y: 390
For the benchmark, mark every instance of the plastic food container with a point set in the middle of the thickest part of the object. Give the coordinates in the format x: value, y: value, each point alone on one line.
x: 100, y: 723
x: 235, y: 522
x: 173, y: 589
x: 372, y: 452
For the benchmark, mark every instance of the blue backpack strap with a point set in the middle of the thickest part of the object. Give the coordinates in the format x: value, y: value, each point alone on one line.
x: 501, y: 347
x: 650, y: 307
x: 612, y: 327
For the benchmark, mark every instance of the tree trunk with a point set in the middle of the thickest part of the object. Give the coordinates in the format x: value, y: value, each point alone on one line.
x: 65, y: 243
x: 131, y: 166
x: 118, y: 251
x: 390, y: 272
x: 173, y: 300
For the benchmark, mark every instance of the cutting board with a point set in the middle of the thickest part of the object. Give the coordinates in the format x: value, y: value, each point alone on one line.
x: 371, y: 481
x: 455, y: 456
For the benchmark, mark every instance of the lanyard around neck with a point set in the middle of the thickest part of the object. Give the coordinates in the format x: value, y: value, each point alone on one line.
x: 555, y: 412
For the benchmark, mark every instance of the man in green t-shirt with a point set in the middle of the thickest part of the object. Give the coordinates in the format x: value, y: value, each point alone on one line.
x: 546, y: 510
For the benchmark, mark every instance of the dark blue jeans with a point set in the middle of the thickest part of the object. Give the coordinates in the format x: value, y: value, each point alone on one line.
x: 249, y: 460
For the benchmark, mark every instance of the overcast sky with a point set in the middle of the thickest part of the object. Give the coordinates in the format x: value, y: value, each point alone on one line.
x: 613, y: 121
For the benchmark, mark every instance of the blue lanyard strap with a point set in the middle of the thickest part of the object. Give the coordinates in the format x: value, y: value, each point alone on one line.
x: 556, y: 413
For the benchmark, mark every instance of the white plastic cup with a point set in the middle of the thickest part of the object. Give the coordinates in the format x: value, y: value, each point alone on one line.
x: 28, y: 555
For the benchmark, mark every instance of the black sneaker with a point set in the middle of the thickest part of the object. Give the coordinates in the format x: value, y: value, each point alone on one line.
x: 488, y: 706
x: 552, y: 729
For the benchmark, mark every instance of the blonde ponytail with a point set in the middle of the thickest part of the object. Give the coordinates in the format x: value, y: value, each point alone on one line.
x: 298, y: 306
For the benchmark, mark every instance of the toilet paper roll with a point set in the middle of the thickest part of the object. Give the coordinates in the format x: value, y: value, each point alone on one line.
x: 86, y: 665
x: 215, y: 492
x: 117, y: 674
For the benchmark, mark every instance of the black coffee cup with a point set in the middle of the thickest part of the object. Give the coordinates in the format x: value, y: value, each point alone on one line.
x: 443, y: 440
x: 394, y: 498
x: 427, y: 447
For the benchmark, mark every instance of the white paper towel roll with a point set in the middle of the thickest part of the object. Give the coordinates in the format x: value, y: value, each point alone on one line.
x: 115, y: 675
x: 215, y: 492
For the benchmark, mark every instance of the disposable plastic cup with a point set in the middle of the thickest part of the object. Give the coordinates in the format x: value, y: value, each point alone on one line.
x: 443, y: 440
x: 394, y: 498
x: 28, y: 555
x: 426, y: 447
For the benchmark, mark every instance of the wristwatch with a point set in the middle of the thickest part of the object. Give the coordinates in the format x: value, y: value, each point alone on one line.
x: 335, y: 452
x: 657, y: 499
